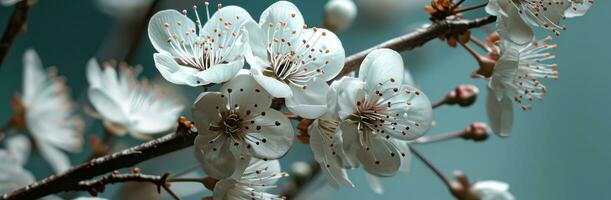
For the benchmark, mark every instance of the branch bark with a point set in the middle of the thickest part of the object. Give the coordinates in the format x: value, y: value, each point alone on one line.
x: 185, y: 133
x: 15, y: 26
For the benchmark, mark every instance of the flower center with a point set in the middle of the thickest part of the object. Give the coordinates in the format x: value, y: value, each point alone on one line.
x: 231, y: 123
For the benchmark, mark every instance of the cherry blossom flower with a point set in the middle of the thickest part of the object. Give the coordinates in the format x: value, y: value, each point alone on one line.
x: 127, y: 105
x: 491, y: 190
x: 252, y: 184
x: 292, y: 61
x: 514, y: 17
x: 339, y: 14
x: 517, y: 78
x: 238, y: 123
x: 49, y: 113
x: 194, y: 54
x: 12, y: 175
x: 377, y: 108
x: 124, y: 10
x: 9, y: 2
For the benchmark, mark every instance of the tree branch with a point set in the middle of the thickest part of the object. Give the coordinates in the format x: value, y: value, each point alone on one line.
x: 94, y: 187
x: 182, y: 138
x: 415, y: 39
x: 185, y: 134
x: 16, y: 25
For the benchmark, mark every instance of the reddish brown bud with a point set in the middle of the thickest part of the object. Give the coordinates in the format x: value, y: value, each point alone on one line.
x: 463, y: 95
x: 477, y: 131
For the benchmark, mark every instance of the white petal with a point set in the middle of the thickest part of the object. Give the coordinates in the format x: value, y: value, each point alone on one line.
x: 58, y: 160
x: 19, y: 146
x: 328, y: 153
x: 491, y: 190
x: 329, y: 52
x: 94, y: 73
x: 34, y: 76
x: 206, y: 110
x: 222, y: 188
x: 513, y: 27
x: 220, y: 73
x: 234, y: 15
x: 578, y: 9
x: 500, y: 114
x: 156, y: 121
x: 271, y: 135
x: 107, y: 106
x: 249, y: 97
x: 285, y: 12
x: 257, y: 41
x: 310, y: 102
x: 382, y: 158
x: 178, y: 24
x: 374, y: 184
x: 273, y: 86
x: 415, y: 114
x: 215, y: 158
x: 12, y: 176
x: 175, y: 73
x: 349, y: 91
x: 379, y: 67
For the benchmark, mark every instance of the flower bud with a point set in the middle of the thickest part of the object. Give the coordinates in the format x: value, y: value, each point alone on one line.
x: 301, y: 170
x: 463, y: 95
x: 339, y: 14
x: 477, y: 131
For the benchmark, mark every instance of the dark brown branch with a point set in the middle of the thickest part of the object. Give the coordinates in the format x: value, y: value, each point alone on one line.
x: 15, y: 26
x: 142, y: 26
x: 182, y: 138
x: 415, y: 39
x: 185, y: 134
x: 94, y: 187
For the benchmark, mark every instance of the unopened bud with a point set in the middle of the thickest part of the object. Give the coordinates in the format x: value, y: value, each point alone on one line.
x: 477, y: 131
x: 463, y: 95
x: 301, y: 170
x: 339, y: 14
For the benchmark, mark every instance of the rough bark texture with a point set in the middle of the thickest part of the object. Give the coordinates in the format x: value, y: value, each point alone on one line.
x: 16, y: 25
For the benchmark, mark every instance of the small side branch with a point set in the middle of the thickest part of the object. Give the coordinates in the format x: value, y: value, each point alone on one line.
x: 15, y: 26
x: 94, y: 187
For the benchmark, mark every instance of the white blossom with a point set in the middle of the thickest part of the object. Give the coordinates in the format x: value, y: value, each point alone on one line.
x: 128, y: 105
x: 517, y: 78
x: 238, y: 123
x: 491, y: 190
x: 378, y: 109
x: 49, y: 113
x: 514, y: 17
x: 124, y: 10
x: 292, y: 61
x: 339, y: 14
x: 9, y: 2
x: 12, y: 175
x: 192, y: 53
x: 252, y: 184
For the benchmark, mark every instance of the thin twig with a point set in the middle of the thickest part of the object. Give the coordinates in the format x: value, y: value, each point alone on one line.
x: 415, y: 39
x: 438, y: 137
x: 430, y: 165
x: 15, y: 26
x: 185, y: 134
x: 94, y: 187
x: 470, y: 8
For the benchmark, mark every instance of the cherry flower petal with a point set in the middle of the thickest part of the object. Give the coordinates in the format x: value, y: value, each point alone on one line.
x: 374, y: 183
x: 349, y: 90
x: 414, y: 114
x: 328, y: 152
x: 167, y: 24
x: 309, y: 101
x: 578, y: 8
x: 379, y: 156
x: 244, y: 92
x: 500, y: 114
x: 273, y: 86
x: 34, y: 75
x: 229, y: 18
x: 107, y: 106
x: 214, y: 155
x: 491, y: 190
x: 155, y: 121
x: 256, y: 48
x: 171, y: 71
x: 271, y: 135
x: 58, y: 160
x: 220, y: 73
x: 94, y: 73
x: 19, y: 147
x: 381, y: 66
x: 12, y: 175
x: 328, y: 56
x: 509, y: 23
x: 281, y: 12
x: 206, y: 108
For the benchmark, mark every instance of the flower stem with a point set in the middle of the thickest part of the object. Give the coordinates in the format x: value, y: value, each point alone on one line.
x: 471, y: 51
x: 440, y: 103
x: 457, y: 4
x: 470, y: 8
x: 430, y: 165
x: 479, y: 43
x: 438, y: 137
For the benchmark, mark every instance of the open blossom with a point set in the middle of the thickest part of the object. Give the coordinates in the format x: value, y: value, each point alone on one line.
x: 514, y: 16
x: 377, y: 108
x: 192, y: 53
x: 12, y: 175
x: 292, y: 61
x: 326, y: 144
x: 491, y: 190
x: 49, y: 113
x: 516, y: 78
x: 127, y: 105
x: 252, y: 184
x: 237, y: 123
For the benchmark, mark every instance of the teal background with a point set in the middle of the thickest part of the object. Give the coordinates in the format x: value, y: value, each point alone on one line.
x: 559, y: 150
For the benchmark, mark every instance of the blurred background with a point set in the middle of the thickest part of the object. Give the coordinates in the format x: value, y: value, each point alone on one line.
x: 559, y: 150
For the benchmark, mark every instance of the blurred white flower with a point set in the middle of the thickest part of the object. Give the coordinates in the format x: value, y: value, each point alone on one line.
x: 12, y: 175
x: 123, y: 9
x: 252, y: 184
x: 339, y: 14
x: 516, y: 77
x: 127, y: 105
x: 381, y: 11
x: 19, y: 147
x: 194, y: 54
x: 9, y: 2
x: 491, y: 190
x: 291, y: 61
x: 238, y: 123
x: 514, y: 16
x: 49, y: 113
x: 377, y: 108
